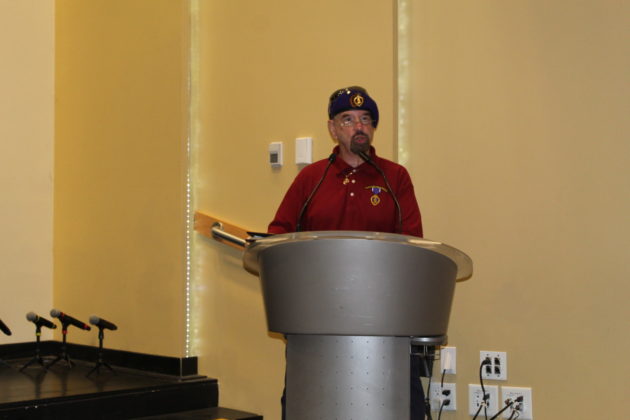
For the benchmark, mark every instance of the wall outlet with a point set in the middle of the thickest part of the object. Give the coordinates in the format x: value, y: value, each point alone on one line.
x: 497, y: 368
x: 524, y: 407
x: 445, y: 394
x: 476, y: 401
x: 448, y: 359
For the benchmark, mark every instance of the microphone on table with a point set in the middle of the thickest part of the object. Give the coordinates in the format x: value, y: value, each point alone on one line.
x: 39, y: 321
x: 298, y: 225
x: 101, y: 323
x: 4, y: 328
x: 67, y: 319
x: 369, y: 160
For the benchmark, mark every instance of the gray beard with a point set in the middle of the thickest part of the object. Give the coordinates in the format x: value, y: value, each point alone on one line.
x: 356, y: 148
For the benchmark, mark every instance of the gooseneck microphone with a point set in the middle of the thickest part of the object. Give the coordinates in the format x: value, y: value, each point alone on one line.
x: 67, y: 319
x: 369, y: 160
x: 39, y: 321
x: 298, y: 225
x: 101, y: 323
x: 4, y: 328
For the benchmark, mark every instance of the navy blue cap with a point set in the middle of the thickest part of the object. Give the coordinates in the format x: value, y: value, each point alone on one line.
x: 352, y: 98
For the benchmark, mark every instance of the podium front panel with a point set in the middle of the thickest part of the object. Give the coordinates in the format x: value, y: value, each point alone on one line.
x: 347, y: 286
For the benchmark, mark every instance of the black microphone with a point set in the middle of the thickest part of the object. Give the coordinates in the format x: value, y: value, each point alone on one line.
x: 67, y: 319
x: 39, y: 321
x: 101, y: 323
x: 4, y: 328
x: 298, y: 225
x: 369, y: 160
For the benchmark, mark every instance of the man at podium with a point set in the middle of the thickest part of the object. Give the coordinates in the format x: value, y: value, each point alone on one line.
x: 354, y: 189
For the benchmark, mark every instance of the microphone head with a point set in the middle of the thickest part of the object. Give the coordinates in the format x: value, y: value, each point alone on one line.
x: 55, y: 313
x: 31, y: 316
x: 102, y: 323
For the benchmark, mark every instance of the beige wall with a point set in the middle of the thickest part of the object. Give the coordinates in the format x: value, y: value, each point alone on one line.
x: 26, y: 162
x: 520, y: 157
x: 516, y: 150
x: 121, y: 163
x: 265, y: 72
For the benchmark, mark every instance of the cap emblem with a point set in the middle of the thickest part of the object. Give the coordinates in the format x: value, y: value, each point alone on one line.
x: 357, y: 100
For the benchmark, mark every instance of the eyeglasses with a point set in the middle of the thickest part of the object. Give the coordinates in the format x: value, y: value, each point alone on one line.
x: 348, y: 121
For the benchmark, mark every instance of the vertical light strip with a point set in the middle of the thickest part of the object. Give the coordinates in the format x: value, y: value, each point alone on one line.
x: 188, y: 252
x: 403, y: 13
x: 193, y: 65
x: 188, y: 188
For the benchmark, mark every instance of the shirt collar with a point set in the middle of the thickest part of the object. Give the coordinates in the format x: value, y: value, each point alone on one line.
x: 342, y: 167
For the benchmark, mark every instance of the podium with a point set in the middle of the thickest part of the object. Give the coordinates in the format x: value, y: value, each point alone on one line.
x: 351, y: 305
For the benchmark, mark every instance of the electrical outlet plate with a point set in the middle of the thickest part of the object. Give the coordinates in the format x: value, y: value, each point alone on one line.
x: 437, y: 397
x: 448, y: 356
x: 497, y: 369
x: 475, y: 399
x: 525, y: 408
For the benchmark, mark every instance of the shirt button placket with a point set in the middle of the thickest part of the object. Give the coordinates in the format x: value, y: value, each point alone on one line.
x: 350, y: 182
x: 353, y: 181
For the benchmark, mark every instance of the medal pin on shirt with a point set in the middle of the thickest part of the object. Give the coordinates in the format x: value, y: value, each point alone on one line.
x: 376, y: 190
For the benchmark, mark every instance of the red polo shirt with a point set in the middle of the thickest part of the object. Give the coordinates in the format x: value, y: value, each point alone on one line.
x: 350, y: 199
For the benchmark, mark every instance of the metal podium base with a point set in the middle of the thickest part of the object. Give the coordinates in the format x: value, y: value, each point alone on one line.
x: 347, y: 377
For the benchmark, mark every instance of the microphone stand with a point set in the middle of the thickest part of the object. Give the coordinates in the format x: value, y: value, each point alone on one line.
x: 64, y: 353
x: 298, y: 225
x: 38, y: 354
x: 100, y: 362
x: 2, y: 362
